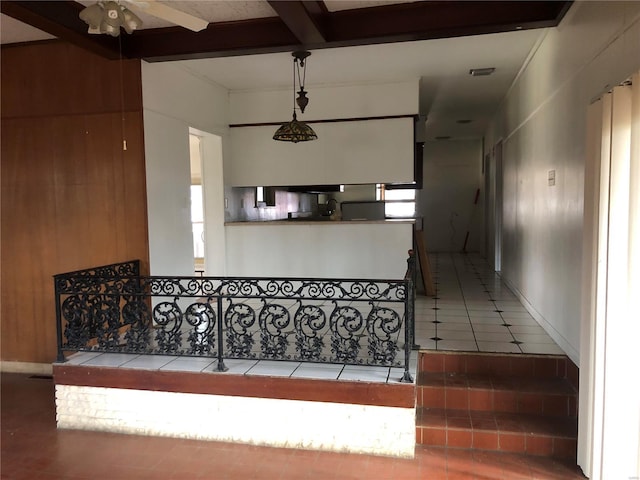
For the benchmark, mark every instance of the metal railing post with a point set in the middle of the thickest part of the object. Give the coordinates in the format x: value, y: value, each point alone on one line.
x: 409, y: 328
x: 60, y: 358
x: 221, y: 366
x: 414, y: 272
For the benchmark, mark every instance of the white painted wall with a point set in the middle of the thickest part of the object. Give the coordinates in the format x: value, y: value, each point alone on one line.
x: 326, y: 102
x: 543, y: 124
x: 321, y: 249
x: 452, y: 175
x: 368, y: 151
x: 341, y: 427
x: 175, y: 100
x: 350, y: 152
x: 168, y: 203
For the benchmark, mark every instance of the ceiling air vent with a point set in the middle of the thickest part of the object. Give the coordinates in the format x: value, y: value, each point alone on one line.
x: 481, y: 72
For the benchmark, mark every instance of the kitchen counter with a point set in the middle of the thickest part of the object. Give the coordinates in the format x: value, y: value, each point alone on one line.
x: 321, y: 249
x: 321, y: 222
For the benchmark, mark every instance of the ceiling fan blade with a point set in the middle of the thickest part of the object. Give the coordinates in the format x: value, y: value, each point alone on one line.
x: 170, y: 14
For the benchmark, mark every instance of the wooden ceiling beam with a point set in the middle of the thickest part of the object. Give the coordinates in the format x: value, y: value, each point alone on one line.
x: 304, y: 19
x: 364, y: 26
x: 60, y: 19
x: 246, y: 37
x: 442, y: 19
x: 302, y: 23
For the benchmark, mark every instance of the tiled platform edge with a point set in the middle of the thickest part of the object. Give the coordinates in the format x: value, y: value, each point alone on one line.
x: 356, y: 417
x: 501, y: 402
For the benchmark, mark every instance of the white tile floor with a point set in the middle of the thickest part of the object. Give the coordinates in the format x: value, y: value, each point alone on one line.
x: 271, y: 368
x: 472, y: 311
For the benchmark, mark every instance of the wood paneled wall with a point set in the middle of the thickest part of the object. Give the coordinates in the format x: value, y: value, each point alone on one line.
x: 71, y: 196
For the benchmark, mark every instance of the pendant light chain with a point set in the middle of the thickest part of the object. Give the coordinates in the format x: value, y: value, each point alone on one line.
x: 294, y: 86
x: 122, y: 119
x: 302, y: 65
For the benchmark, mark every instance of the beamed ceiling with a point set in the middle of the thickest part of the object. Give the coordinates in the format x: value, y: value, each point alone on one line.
x: 248, y: 45
x: 290, y: 25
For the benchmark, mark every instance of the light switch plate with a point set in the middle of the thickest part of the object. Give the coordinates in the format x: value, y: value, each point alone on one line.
x: 551, y: 178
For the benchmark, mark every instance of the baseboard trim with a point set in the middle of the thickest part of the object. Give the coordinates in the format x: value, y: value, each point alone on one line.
x: 557, y: 337
x: 26, y: 367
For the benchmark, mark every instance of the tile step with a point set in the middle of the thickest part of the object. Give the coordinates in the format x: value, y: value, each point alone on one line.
x: 566, y: 427
x: 507, y: 432
x: 518, y: 365
x: 503, y: 394
x: 470, y: 380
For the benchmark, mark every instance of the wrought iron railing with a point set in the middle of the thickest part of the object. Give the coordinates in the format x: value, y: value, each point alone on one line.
x: 349, y: 321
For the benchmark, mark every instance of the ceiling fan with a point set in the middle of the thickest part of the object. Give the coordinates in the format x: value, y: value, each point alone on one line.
x: 107, y: 16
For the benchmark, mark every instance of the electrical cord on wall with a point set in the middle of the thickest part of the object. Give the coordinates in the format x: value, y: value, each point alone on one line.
x: 473, y: 213
x: 452, y: 240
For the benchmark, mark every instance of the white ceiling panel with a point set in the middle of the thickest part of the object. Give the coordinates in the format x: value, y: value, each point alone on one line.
x: 441, y: 59
x: 337, y: 5
x: 447, y: 91
x: 14, y: 31
x: 210, y: 10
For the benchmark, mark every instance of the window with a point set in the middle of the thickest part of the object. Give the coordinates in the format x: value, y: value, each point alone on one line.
x: 399, y: 203
x: 197, y: 203
x: 265, y: 197
x: 197, y: 221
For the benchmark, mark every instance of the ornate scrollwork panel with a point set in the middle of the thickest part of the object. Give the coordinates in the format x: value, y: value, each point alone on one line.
x: 382, y: 325
x: 239, y: 318
x: 347, y: 325
x: 76, y: 311
x: 90, y: 280
x: 202, y: 337
x: 137, y: 318
x: 105, y: 317
x: 310, y: 322
x: 273, y: 321
x: 167, y: 319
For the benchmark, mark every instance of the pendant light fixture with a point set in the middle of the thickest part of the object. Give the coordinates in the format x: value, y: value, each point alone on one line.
x: 295, y: 131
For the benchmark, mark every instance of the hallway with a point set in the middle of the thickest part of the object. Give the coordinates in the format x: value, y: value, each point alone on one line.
x: 474, y: 311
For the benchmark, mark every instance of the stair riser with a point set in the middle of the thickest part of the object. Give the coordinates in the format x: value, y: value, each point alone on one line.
x: 545, y: 366
x: 496, y: 400
x: 556, y: 447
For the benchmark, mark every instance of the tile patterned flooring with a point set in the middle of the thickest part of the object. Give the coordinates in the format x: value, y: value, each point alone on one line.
x: 33, y: 449
x: 472, y: 311
x: 271, y: 368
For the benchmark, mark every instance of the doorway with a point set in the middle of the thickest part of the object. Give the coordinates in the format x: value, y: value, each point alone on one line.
x: 497, y: 262
x: 207, y: 203
x: 197, y: 203
x: 493, y: 184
